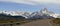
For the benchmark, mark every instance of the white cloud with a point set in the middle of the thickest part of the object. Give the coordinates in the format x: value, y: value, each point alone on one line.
x: 34, y: 2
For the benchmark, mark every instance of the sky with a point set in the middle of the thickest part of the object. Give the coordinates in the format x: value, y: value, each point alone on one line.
x: 29, y: 5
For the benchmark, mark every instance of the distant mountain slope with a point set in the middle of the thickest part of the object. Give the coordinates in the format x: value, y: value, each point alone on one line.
x: 44, y: 13
x: 9, y: 17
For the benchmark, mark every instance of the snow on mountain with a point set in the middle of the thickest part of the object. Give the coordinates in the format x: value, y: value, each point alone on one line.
x: 56, y: 15
x: 50, y: 13
x: 16, y: 13
x: 30, y: 14
x: 44, y: 12
x: 39, y: 14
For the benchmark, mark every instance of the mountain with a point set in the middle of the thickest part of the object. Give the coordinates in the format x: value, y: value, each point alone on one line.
x: 43, y: 13
x: 9, y: 17
x: 16, y: 13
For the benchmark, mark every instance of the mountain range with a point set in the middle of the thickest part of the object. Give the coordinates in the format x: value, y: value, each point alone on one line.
x: 43, y: 13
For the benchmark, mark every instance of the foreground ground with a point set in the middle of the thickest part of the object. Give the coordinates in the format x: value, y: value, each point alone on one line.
x: 44, y: 22
x: 39, y: 22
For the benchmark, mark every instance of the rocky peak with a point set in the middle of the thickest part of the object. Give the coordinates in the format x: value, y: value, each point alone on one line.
x: 45, y: 10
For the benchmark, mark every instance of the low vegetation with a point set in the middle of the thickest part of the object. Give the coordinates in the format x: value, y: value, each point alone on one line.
x: 56, y: 20
x: 11, y: 21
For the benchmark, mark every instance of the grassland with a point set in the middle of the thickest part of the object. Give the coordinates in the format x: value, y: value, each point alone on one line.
x: 56, y: 20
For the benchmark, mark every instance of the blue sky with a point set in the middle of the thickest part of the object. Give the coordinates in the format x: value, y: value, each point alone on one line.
x: 17, y: 7
x: 29, y: 5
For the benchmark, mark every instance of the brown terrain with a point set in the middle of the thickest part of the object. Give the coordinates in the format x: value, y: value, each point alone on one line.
x: 44, y: 22
x: 41, y: 22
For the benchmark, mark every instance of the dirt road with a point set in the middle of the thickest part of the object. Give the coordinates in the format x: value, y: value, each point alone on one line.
x: 44, y: 22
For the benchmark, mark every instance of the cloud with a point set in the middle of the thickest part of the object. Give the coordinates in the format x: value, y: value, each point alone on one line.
x: 47, y: 3
x: 33, y: 2
x: 20, y: 1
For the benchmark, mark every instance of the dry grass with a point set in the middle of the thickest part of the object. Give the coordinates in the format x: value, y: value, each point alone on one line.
x: 56, y: 20
x: 13, y: 21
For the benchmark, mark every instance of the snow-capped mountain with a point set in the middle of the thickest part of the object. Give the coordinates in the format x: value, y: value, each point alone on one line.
x: 16, y: 13
x: 43, y: 12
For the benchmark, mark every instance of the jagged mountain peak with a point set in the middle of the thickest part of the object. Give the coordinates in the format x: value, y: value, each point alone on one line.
x: 15, y: 13
x: 43, y: 12
x: 45, y: 9
x: 37, y: 14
